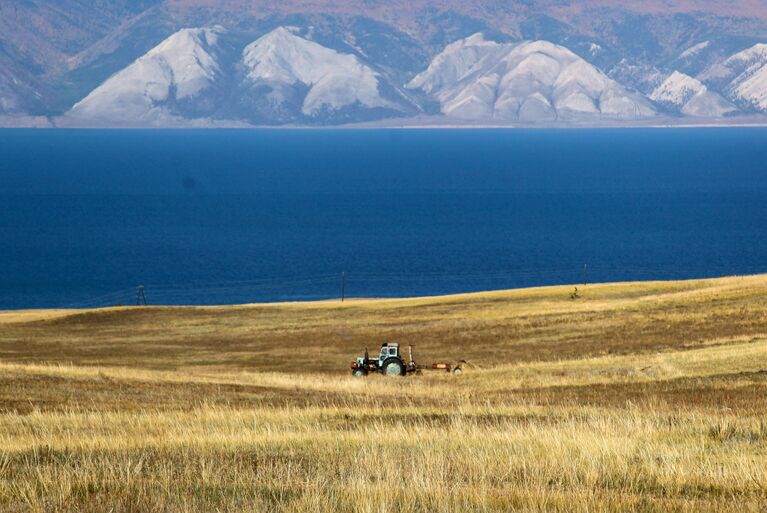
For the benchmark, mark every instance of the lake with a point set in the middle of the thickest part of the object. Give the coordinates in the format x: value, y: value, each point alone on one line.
x: 236, y: 216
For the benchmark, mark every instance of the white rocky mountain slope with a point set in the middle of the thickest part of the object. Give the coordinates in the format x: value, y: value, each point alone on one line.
x: 454, y: 63
x: 690, y: 97
x: 694, y: 50
x: 533, y: 81
x: 177, y: 72
x: 332, y: 80
x: 742, y: 77
x: 203, y: 76
x: 9, y: 102
x: 198, y: 74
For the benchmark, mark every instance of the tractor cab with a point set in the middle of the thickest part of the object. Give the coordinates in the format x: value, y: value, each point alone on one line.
x: 388, y: 351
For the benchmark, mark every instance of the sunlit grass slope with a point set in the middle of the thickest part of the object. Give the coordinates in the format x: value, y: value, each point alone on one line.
x: 632, y: 397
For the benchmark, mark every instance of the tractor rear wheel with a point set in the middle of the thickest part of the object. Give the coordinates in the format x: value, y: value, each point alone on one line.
x: 393, y: 367
x: 359, y: 373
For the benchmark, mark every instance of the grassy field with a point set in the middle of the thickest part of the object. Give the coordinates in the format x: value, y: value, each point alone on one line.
x: 632, y: 397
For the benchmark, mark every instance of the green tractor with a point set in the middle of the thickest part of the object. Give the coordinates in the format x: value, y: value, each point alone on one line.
x: 391, y: 363
x: 388, y: 363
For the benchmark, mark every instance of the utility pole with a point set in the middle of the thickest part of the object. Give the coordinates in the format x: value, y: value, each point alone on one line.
x: 585, y: 274
x: 140, y: 296
x: 343, y: 286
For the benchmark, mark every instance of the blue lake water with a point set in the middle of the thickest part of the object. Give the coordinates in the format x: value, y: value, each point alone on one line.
x: 228, y: 216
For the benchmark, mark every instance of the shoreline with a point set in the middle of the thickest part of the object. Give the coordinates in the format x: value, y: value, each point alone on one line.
x: 425, y: 123
x: 28, y: 314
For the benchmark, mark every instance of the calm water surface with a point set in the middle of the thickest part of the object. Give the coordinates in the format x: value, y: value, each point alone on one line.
x: 210, y: 217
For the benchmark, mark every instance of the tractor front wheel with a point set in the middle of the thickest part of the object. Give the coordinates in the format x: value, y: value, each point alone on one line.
x: 359, y: 373
x: 393, y: 367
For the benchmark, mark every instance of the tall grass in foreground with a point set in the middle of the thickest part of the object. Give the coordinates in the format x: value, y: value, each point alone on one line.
x: 636, y: 397
x: 340, y: 459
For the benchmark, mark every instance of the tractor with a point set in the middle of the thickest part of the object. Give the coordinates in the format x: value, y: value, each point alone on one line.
x: 391, y: 363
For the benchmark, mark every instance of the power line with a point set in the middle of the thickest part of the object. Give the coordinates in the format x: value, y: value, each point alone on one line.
x: 320, y: 286
x: 104, y: 298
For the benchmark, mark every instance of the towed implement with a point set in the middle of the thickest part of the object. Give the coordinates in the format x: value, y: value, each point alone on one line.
x: 391, y: 363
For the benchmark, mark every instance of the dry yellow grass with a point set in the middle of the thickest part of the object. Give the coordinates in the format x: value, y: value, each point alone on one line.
x: 636, y: 397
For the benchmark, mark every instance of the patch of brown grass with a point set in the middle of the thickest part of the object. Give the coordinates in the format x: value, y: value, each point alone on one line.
x: 489, y: 328
x: 636, y: 397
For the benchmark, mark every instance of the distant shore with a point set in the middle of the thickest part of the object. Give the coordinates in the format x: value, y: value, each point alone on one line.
x: 418, y: 123
x: 563, y: 290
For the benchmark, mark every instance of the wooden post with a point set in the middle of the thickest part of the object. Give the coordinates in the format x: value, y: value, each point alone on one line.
x: 140, y: 295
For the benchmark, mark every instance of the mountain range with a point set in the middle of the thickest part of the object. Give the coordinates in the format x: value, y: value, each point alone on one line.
x: 254, y: 63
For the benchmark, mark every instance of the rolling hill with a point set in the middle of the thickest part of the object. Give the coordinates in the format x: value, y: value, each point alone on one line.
x: 56, y: 54
x: 652, y: 393
x: 530, y: 82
